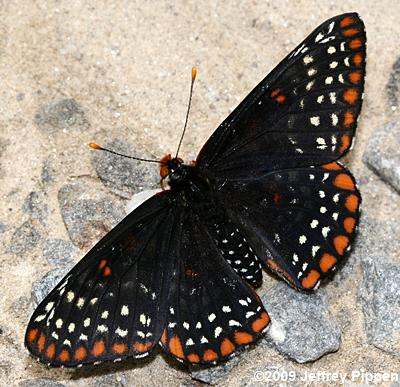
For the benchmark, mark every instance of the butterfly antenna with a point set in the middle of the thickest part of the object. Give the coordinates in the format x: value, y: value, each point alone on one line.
x: 194, y: 72
x: 98, y: 147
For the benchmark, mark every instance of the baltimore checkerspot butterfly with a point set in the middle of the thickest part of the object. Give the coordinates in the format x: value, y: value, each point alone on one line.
x: 266, y: 190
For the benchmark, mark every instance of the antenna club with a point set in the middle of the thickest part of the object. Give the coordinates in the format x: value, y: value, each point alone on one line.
x: 94, y: 146
x: 194, y: 73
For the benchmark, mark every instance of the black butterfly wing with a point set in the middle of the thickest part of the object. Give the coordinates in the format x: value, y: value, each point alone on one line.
x: 112, y: 304
x: 303, y: 113
x: 213, y: 313
x: 300, y: 221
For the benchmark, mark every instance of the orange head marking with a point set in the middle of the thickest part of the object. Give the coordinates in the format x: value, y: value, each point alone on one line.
x: 194, y: 73
x: 95, y: 146
x: 164, y: 170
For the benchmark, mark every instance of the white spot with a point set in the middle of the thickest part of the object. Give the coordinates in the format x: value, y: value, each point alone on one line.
x: 322, y: 210
x: 243, y: 302
x: 144, y: 288
x: 302, y: 239
x: 124, y: 310
x: 331, y: 25
x: 314, y: 250
x: 334, y: 119
x: 333, y: 64
x: 59, y: 323
x: 104, y: 314
x: 171, y: 324
x: 328, y: 80
x: 312, y: 177
x: 310, y: 85
x: 40, y: 318
x: 301, y: 104
x: 321, y: 141
x: 142, y: 319
x: 102, y: 328
x: 325, y: 231
x: 217, y: 331
x: 332, y: 97
x: 171, y: 310
x: 54, y: 334
x: 331, y: 50
x: 295, y: 257
x: 141, y: 334
x: 70, y: 296
x: 93, y: 300
x: 49, y: 306
x: 319, y: 37
x: 186, y: 325
x: 243, y: 270
x: 314, y: 120
x: 233, y: 323
x: 83, y: 337
x: 320, y: 99
x: 211, y: 317
x: 226, y: 309
x: 121, y: 332
x: 67, y: 342
x: 224, y: 240
x: 311, y: 72
x: 335, y: 216
x: 203, y: 340
x: 238, y: 262
x: 299, y: 150
x: 86, y: 322
x: 308, y: 59
x: 249, y: 314
x: 346, y: 61
x: 189, y: 341
x: 340, y: 78
x: 342, y: 46
x: 231, y: 252
x: 336, y: 198
x: 71, y: 327
x: 198, y: 325
x: 305, y: 264
x: 328, y: 39
x: 326, y: 175
x: 321, y: 194
x: 80, y: 303
x: 300, y: 274
x: 314, y: 223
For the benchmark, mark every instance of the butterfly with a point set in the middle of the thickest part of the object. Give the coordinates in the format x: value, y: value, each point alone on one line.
x: 266, y: 191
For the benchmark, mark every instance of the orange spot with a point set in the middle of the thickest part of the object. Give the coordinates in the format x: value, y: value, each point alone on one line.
x: 120, y: 348
x: 326, y: 262
x: 275, y: 92
x: 344, y: 181
x: 280, y: 99
x: 140, y: 347
x: 175, y: 347
x: 164, y: 337
x: 311, y: 279
x: 41, y: 341
x: 274, y: 266
x: 348, y: 118
x: 98, y: 348
x: 355, y: 77
x: 107, y: 272
x: 355, y: 43
x: 64, y: 356
x: 227, y: 347
x: 261, y: 322
x: 164, y: 170
x: 194, y: 358
x: 346, y: 21
x: 243, y: 337
x: 102, y: 263
x: 345, y: 143
x: 351, y: 203
x: 32, y: 335
x: 94, y: 145
x: 349, y: 224
x: 351, y: 32
x: 350, y: 96
x: 80, y: 354
x: 192, y: 163
x: 210, y: 355
x: 51, y: 351
x: 332, y: 166
x: 357, y: 59
x: 341, y: 242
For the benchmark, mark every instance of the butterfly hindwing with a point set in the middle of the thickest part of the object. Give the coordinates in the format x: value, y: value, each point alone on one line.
x: 303, y: 113
x: 112, y: 303
x: 300, y: 221
x: 213, y: 313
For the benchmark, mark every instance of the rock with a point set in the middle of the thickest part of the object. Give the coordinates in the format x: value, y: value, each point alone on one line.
x: 42, y: 287
x: 35, y: 206
x: 122, y: 174
x: 58, y: 252
x: 382, y: 154
x: 213, y: 375
x: 3, y: 228
x: 59, y: 115
x: 393, y: 86
x: 301, y: 326
x: 88, y: 214
x: 47, y: 175
x: 379, y: 296
x: 25, y: 238
x: 39, y: 382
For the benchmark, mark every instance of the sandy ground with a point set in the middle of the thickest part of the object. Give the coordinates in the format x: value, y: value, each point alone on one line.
x: 128, y: 67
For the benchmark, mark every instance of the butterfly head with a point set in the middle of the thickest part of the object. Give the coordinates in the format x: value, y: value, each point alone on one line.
x: 174, y: 168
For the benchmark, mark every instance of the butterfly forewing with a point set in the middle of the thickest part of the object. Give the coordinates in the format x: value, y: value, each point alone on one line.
x: 303, y: 113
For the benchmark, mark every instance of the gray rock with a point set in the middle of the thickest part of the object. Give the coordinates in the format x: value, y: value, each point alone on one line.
x: 382, y: 155
x: 57, y: 252
x: 59, y: 115
x: 47, y: 175
x: 25, y: 238
x: 301, y: 326
x: 214, y: 375
x: 393, y: 86
x: 122, y: 174
x: 35, y: 206
x: 379, y: 296
x: 3, y: 228
x: 42, y: 287
x: 88, y: 213
x: 39, y: 382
